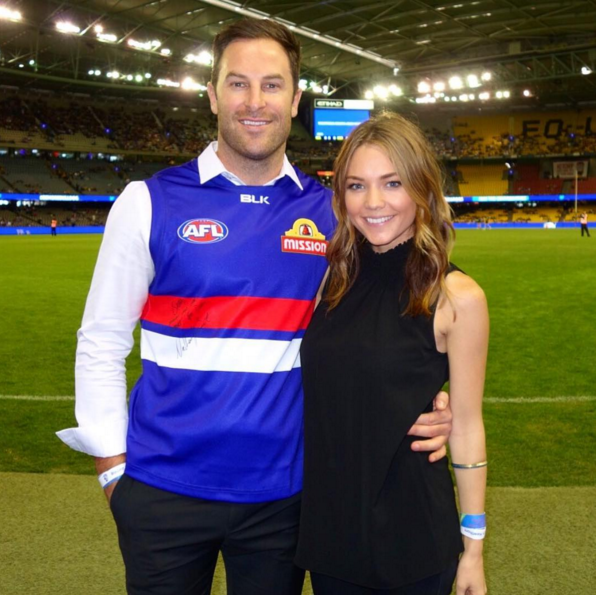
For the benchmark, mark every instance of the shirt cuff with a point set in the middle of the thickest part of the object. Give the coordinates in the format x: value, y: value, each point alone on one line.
x: 97, y: 440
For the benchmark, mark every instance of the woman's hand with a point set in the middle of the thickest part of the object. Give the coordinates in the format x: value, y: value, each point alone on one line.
x: 470, y: 575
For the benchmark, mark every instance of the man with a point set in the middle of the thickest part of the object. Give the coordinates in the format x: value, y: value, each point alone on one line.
x: 583, y: 220
x: 220, y: 259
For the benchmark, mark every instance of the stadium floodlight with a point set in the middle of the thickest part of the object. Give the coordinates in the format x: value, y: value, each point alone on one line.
x: 91, y: 72
x: 205, y: 58
x: 147, y: 75
x: 506, y: 94
x: 486, y: 76
x: 439, y: 86
x: 369, y: 95
x: 586, y: 70
x: 303, y: 84
x: 139, y: 78
x: 167, y: 83
x: 98, y: 29
x: 325, y: 89
x: 381, y: 92
x: 189, y: 84
x: 426, y: 99
x: 527, y: 92
x: 455, y: 83
x: 472, y: 81
x: 97, y: 72
x: 423, y: 87
x: 447, y: 98
x: 10, y: 15
x: 67, y: 27
x: 128, y: 77
x: 31, y: 62
x: 165, y: 51
x: 395, y: 90
x: 484, y: 96
x: 107, y: 37
x: 463, y: 97
x: 146, y: 46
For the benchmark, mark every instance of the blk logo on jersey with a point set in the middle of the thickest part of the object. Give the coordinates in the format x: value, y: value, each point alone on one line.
x: 203, y: 231
x: 254, y: 199
x: 304, y: 238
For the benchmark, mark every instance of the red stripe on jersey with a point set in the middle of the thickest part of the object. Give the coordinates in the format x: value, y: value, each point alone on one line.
x: 229, y: 312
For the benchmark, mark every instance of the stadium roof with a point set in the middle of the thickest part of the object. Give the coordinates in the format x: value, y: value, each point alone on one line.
x: 351, y: 47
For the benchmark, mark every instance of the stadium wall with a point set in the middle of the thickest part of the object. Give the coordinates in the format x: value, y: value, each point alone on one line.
x: 45, y: 231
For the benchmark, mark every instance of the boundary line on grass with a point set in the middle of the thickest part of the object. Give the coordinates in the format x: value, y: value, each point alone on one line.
x: 515, y: 400
x: 525, y: 400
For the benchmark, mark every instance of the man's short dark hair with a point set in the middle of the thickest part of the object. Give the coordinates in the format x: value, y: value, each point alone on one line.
x: 257, y: 29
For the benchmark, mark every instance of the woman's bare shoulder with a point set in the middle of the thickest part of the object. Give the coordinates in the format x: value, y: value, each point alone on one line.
x: 463, y: 291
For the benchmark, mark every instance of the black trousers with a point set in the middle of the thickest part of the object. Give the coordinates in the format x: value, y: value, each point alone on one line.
x: 585, y: 228
x: 438, y: 584
x: 170, y: 543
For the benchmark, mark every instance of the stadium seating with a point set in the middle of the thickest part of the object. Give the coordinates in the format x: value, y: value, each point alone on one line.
x: 33, y: 175
x: 484, y: 180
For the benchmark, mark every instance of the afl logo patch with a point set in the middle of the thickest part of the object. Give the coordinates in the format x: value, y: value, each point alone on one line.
x: 203, y: 231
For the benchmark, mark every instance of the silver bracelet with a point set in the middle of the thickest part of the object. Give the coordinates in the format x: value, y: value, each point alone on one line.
x: 470, y: 466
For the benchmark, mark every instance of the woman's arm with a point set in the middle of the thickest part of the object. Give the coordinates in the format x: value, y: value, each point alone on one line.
x: 466, y: 340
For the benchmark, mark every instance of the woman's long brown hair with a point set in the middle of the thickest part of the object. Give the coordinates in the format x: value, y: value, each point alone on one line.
x: 420, y: 174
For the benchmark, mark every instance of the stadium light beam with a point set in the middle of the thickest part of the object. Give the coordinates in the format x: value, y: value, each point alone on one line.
x: 455, y: 83
x: 67, y: 27
x: 423, y: 87
x: 472, y: 81
x: 107, y: 37
x: 10, y: 15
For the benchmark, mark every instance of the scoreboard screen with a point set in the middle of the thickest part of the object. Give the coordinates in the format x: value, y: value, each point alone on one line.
x: 334, y: 119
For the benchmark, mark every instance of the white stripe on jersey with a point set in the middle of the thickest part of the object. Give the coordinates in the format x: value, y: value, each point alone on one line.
x: 220, y: 355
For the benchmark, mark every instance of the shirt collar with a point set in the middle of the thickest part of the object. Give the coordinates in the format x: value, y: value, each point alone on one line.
x: 210, y: 165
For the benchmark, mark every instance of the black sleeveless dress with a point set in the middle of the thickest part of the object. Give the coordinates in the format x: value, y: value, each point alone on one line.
x: 374, y: 512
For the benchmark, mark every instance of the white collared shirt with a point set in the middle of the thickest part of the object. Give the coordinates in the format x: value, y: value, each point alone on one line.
x: 123, y: 273
x: 210, y: 165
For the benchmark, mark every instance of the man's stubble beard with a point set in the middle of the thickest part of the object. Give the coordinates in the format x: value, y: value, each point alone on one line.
x: 242, y: 146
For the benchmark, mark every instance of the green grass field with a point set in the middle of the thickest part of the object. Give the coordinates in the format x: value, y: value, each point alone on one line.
x: 540, y: 414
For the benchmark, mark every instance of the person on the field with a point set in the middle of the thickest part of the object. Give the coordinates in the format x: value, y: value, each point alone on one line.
x: 220, y: 259
x: 583, y: 221
x: 53, y: 226
x: 396, y: 321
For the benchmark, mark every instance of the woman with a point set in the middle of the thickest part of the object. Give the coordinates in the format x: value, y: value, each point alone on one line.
x: 396, y: 322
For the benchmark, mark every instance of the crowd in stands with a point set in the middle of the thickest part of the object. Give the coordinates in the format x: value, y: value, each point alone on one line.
x: 150, y: 127
x: 118, y: 127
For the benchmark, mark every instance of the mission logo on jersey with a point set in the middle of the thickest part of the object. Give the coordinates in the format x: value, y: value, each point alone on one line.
x: 304, y: 238
x: 203, y: 231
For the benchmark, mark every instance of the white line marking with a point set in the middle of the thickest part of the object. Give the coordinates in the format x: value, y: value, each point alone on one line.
x: 35, y: 398
x: 516, y: 400
x: 539, y: 399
